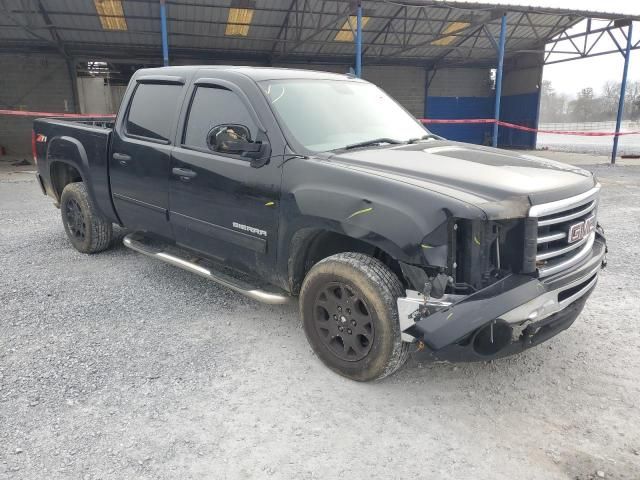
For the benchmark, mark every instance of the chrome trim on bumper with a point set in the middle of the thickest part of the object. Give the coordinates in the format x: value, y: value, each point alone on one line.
x: 543, y: 302
x: 547, y: 304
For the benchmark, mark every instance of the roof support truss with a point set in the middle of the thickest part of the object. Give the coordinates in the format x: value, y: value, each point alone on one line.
x: 410, y: 32
x: 589, y: 42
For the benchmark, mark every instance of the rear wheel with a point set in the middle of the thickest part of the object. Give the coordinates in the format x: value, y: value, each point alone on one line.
x: 348, y: 306
x: 87, y: 230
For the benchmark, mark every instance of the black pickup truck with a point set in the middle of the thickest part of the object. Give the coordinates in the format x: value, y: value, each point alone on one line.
x: 283, y: 183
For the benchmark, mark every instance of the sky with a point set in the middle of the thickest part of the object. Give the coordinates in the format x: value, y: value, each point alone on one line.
x: 571, y: 77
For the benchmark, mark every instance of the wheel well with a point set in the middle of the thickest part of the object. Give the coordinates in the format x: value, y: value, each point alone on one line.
x: 63, y: 174
x: 311, y: 246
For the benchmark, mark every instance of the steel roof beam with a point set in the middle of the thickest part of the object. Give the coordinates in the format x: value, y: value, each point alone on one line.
x: 320, y: 29
x: 598, y: 54
x: 128, y: 54
x: 380, y: 32
x: 311, y: 11
x: 316, y: 42
x: 332, y: 30
x: 283, y: 27
x: 27, y: 28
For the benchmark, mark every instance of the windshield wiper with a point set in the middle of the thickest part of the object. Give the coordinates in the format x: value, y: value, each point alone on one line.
x: 375, y: 141
x: 424, y: 137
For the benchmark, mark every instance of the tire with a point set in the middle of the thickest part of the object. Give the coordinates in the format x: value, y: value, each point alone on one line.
x: 358, y: 293
x: 88, y: 231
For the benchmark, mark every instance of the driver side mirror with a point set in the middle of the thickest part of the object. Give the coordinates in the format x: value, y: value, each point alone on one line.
x: 236, y: 140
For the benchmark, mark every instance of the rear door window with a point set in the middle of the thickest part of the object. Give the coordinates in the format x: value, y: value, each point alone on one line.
x: 153, y: 111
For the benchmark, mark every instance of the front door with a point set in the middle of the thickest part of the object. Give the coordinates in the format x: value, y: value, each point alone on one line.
x: 220, y: 204
x: 141, y: 155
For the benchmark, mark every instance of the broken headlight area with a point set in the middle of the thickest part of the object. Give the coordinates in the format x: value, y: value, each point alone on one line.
x: 463, y: 256
x: 484, y: 252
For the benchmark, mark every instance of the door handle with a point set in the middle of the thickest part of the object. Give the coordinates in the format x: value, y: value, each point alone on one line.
x: 122, y: 158
x: 184, y: 173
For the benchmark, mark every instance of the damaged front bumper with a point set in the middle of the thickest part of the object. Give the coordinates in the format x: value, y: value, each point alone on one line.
x: 507, y: 317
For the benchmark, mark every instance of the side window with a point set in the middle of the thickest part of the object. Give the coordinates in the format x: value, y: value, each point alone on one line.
x: 153, y: 110
x: 219, y: 121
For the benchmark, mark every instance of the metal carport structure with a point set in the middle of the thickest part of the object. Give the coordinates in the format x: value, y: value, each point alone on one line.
x: 434, y: 36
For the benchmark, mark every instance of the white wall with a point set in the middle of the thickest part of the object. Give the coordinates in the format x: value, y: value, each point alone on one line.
x: 96, y: 97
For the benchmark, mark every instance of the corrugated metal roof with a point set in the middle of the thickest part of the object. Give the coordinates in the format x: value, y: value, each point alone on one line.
x: 290, y: 30
x: 610, y: 8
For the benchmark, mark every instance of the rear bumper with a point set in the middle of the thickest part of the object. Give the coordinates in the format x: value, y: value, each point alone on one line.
x: 513, y: 314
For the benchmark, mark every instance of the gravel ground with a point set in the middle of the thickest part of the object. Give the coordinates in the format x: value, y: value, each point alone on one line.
x: 115, y: 366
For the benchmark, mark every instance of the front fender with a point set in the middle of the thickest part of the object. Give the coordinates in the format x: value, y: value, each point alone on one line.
x: 394, y: 216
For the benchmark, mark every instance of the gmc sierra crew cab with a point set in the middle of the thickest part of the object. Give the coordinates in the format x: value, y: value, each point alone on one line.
x: 282, y: 183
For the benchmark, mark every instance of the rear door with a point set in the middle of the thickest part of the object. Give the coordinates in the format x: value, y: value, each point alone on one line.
x: 225, y: 208
x: 141, y: 154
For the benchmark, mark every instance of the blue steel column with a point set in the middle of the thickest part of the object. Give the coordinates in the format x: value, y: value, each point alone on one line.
x: 165, y: 40
x: 503, y: 31
x: 623, y: 88
x: 359, y: 40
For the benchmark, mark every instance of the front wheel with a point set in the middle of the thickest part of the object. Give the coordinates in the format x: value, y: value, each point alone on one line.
x: 350, y: 317
x: 87, y: 230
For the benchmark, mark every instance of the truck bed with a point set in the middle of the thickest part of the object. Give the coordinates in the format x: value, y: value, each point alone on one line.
x: 82, y: 144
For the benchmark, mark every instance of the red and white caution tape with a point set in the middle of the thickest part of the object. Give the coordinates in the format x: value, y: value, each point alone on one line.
x: 25, y: 113
x: 522, y: 127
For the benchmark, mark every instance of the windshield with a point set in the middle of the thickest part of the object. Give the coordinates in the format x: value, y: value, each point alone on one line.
x: 331, y: 114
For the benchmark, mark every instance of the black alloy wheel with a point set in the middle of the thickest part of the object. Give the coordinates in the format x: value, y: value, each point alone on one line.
x: 343, y: 322
x: 87, y: 229
x: 348, y: 304
x: 75, y: 219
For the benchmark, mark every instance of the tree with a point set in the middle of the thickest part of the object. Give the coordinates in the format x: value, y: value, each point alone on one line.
x: 552, y: 105
x: 589, y: 106
x: 632, y: 101
x: 583, y: 108
x: 610, y: 98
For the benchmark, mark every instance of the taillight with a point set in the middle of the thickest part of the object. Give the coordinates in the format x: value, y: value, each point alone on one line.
x: 33, y: 147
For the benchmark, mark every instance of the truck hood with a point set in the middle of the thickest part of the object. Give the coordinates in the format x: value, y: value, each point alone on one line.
x: 483, y: 176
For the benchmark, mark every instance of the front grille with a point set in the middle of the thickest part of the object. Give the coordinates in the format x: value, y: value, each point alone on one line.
x: 565, y: 232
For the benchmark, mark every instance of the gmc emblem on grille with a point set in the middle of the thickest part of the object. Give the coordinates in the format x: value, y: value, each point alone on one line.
x: 580, y: 230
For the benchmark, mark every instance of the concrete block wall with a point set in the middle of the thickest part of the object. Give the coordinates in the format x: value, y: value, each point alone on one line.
x: 460, y: 82
x: 30, y: 82
x: 405, y: 84
x: 517, y: 82
x: 523, y: 74
x: 455, y: 93
x: 41, y: 83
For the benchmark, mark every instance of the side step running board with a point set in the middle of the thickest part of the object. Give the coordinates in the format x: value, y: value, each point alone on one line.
x: 139, y: 243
